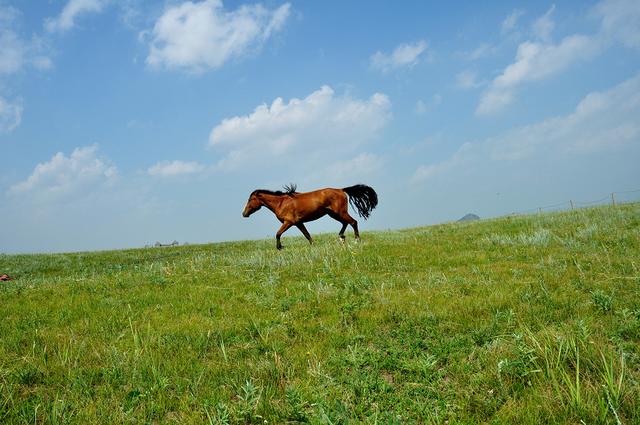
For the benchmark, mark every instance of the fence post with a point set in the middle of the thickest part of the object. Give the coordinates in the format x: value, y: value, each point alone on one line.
x: 613, y: 199
x: 571, y: 202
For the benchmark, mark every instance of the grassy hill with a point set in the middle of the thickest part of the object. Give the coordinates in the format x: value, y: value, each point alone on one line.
x: 514, y: 320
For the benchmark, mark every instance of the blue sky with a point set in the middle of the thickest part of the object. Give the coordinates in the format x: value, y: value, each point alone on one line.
x: 127, y: 122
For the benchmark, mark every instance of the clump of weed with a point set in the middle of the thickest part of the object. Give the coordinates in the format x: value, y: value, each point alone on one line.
x: 539, y: 237
x: 221, y: 414
x: 296, y: 405
x: 248, y: 402
x: 602, y: 301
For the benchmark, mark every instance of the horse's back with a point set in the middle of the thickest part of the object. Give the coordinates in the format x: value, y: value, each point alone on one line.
x: 315, y: 204
x: 323, y: 196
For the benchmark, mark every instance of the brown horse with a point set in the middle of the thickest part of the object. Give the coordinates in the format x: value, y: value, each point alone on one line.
x: 294, y: 209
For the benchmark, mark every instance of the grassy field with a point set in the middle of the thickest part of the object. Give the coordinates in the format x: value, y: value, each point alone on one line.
x: 532, y: 319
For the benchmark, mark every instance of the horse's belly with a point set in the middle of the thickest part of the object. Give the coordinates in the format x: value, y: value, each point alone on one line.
x: 313, y: 216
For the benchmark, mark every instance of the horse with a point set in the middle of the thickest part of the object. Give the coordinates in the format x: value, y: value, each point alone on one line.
x: 294, y: 208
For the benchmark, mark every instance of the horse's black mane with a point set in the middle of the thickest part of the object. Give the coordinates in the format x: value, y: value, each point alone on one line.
x: 289, y: 189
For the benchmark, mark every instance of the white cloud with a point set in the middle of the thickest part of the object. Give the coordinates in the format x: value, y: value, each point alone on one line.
x: 601, y: 122
x: 41, y: 62
x: 10, y: 115
x: 511, y: 21
x: 423, y: 107
x: 65, y: 176
x: 426, y: 172
x: 482, y: 51
x: 131, y: 13
x: 494, y: 100
x: 321, y: 125
x: 71, y: 11
x: 485, y: 50
x: 15, y: 51
x: 467, y: 79
x: 361, y: 166
x: 543, y: 26
x: 200, y: 36
x: 175, y: 168
x: 620, y: 21
x: 405, y: 55
x: 537, y: 60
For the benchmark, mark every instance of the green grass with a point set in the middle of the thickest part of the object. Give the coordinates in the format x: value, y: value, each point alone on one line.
x: 532, y: 319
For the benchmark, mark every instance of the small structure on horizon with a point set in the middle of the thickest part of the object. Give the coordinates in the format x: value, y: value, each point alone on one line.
x: 470, y: 217
x: 159, y: 245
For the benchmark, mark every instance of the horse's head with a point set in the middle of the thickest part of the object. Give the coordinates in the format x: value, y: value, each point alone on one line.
x: 253, y: 205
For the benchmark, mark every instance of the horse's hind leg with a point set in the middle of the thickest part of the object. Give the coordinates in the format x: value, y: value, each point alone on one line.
x: 354, y: 224
x: 338, y: 217
x: 346, y: 220
x: 341, y: 234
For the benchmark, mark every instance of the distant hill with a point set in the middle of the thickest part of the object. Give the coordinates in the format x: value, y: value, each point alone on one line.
x: 470, y: 217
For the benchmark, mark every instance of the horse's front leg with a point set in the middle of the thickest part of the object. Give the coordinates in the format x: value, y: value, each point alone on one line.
x: 285, y: 226
x: 305, y: 232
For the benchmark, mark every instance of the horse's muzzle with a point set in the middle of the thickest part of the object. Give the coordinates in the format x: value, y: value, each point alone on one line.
x: 248, y: 211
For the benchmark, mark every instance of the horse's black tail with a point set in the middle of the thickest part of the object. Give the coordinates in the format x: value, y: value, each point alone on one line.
x: 363, y: 198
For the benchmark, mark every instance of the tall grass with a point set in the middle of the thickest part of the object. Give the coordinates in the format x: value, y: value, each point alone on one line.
x: 532, y: 319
